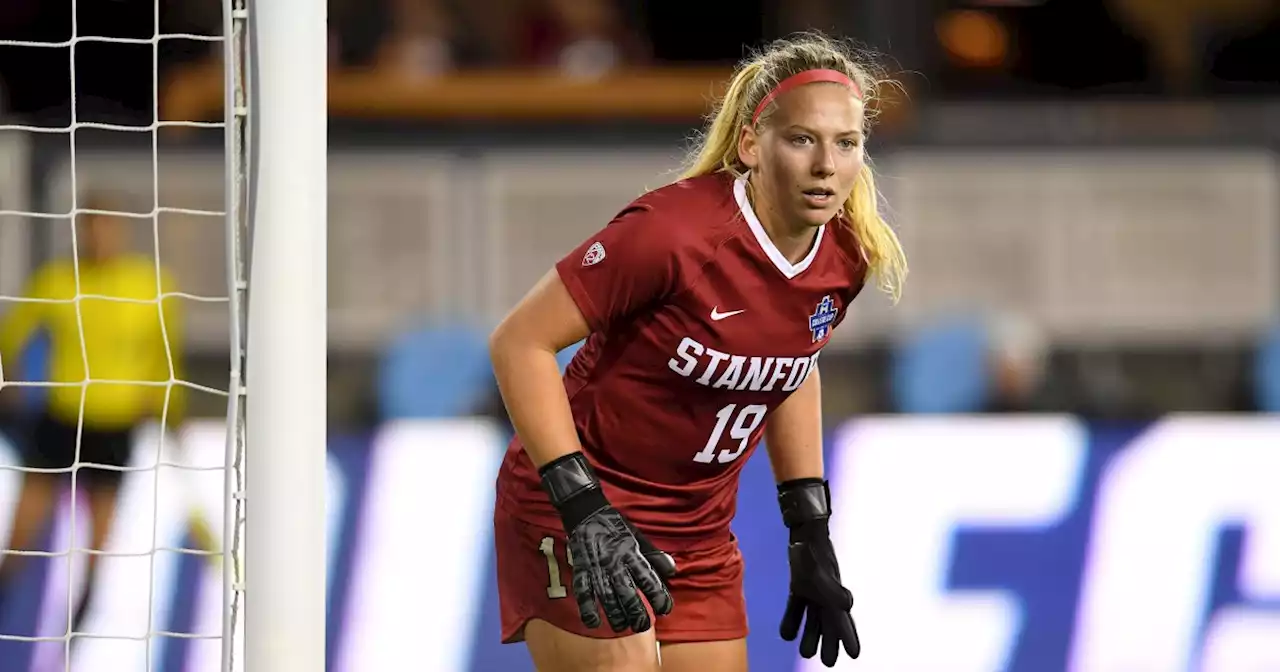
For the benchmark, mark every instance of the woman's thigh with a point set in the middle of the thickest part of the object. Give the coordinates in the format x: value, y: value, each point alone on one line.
x: 556, y: 650
x: 721, y: 656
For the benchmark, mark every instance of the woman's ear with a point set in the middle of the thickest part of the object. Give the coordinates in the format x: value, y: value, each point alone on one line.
x: 749, y: 147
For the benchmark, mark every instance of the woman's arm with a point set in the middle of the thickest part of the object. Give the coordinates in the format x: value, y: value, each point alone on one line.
x: 793, y: 435
x: 817, y: 598
x: 523, y: 349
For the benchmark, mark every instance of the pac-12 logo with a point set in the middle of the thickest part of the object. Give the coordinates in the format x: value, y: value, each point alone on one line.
x: 595, y: 254
x: 822, y: 318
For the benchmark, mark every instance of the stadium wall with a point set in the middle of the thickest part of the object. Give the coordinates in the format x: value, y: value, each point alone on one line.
x: 971, y: 544
x: 1096, y: 244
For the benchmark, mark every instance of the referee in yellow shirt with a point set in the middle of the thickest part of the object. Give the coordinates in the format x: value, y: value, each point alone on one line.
x: 123, y: 343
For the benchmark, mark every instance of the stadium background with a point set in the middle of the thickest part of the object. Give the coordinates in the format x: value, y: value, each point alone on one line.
x: 1051, y: 455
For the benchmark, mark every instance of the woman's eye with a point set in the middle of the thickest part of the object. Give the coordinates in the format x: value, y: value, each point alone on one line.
x: 800, y: 140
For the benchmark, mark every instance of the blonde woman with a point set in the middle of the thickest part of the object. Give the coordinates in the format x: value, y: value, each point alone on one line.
x: 705, y: 305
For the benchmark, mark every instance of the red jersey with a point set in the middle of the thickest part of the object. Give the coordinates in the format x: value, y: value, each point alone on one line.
x: 700, y: 328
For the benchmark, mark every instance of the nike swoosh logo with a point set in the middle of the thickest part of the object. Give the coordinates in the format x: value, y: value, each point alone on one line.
x: 716, y: 315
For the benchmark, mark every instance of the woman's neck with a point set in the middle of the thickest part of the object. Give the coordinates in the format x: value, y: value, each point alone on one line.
x: 793, y: 240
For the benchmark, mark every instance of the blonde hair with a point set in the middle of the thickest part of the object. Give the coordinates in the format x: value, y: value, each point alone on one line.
x: 717, y: 147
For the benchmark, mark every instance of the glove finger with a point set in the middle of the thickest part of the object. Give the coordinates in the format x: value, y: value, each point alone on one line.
x: 650, y: 584
x: 588, y: 606
x: 791, y: 618
x: 812, y: 633
x: 613, y: 611
x: 662, y: 563
x: 849, y: 635
x: 830, y: 637
x: 637, y: 616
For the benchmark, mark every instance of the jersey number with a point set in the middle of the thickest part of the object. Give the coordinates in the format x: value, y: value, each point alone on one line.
x: 745, y: 423
x: 555, y: 588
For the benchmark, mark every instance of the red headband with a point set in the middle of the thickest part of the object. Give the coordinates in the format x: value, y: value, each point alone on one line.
x: 802, y: 78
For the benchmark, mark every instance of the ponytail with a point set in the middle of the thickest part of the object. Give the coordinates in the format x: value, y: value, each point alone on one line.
x: 880, y: 247
x: 718, y: 147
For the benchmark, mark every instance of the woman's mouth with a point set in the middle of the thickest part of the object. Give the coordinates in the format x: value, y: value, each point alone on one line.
x: 819, y: 197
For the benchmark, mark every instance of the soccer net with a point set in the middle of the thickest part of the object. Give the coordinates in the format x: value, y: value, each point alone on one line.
x: 166, y: 590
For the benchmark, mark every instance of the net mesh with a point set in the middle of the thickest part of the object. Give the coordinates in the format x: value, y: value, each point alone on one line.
x: 178, y: 508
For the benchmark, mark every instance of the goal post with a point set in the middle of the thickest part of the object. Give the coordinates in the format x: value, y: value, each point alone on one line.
x: 285, y: 349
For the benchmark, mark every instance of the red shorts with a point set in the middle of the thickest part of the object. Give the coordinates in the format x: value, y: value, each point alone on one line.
x: 534, y: 581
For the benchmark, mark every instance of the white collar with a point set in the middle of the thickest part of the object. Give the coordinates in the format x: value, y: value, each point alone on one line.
x: 766, y: 243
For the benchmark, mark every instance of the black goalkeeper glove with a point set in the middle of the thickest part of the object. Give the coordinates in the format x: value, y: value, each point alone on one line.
x: 609, y: 556
x: 817, y: 596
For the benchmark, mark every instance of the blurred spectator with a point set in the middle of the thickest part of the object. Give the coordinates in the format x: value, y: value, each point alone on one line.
x: 421, y: 39
x: 580, y: 38
x: 1018, y: 363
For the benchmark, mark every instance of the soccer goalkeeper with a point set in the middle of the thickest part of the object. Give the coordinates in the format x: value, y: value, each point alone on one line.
x: 124, y: 343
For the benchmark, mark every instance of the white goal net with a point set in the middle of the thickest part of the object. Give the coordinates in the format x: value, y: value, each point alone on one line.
x: 116, y: 266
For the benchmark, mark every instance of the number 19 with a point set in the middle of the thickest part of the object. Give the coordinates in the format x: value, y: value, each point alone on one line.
x: 749, y: 418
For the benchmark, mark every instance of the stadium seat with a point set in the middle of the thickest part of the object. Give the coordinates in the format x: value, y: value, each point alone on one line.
x: 942, y: 368
x: 435, y: 371
x: 1266, y: 377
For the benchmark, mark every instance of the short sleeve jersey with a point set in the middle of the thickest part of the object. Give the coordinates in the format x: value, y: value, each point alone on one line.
x: 700, y: 328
